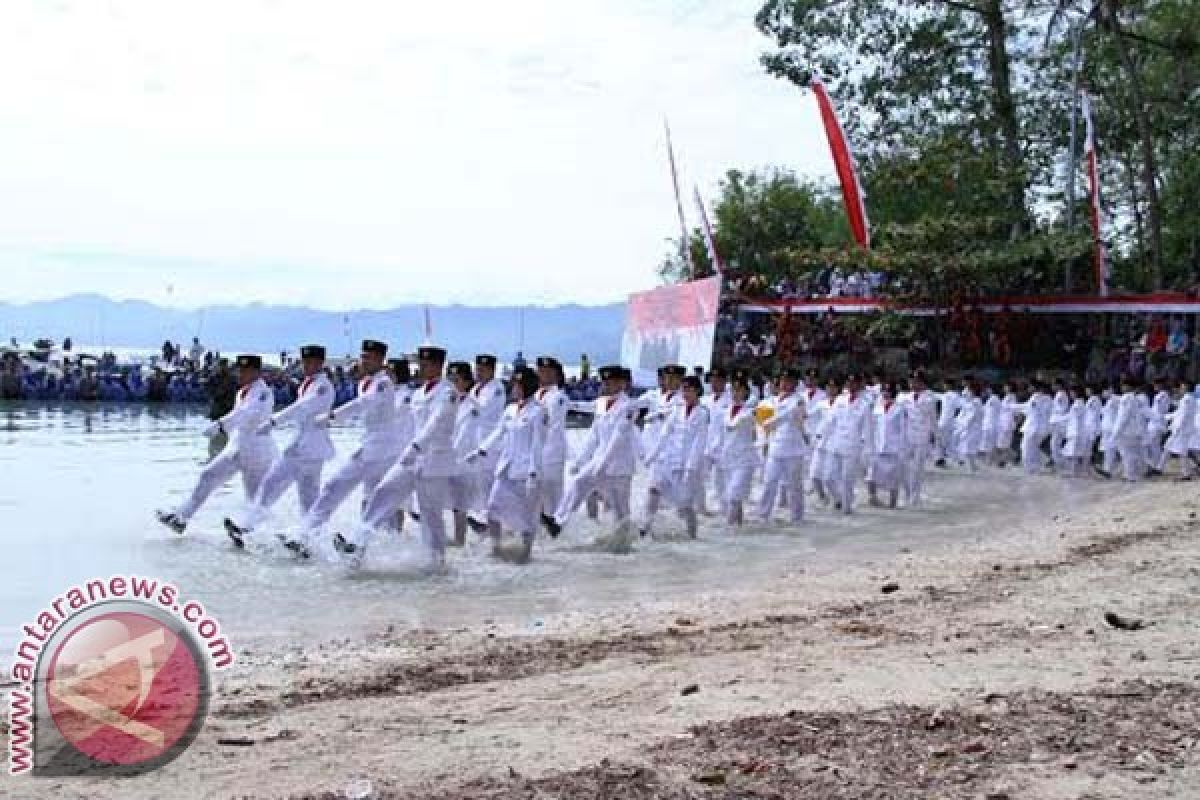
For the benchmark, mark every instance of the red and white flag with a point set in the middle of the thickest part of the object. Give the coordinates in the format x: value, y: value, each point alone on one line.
x: 709, y: 241
x: 1100, y: 255
x: 684, y: 239
x: 847, y: 171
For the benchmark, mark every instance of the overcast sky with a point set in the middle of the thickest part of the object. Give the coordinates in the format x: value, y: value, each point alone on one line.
x: 366, y: 154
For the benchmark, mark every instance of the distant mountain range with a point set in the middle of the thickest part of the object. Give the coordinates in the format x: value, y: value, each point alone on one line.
x: 90, y: 319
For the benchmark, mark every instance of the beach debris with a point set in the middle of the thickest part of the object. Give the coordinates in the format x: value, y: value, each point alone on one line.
x: 710, y: 778
x: 889, y: 587
x: 236, y: 741
x: 359, y: 789
x: 691, y: 688
x: 1123, y: 623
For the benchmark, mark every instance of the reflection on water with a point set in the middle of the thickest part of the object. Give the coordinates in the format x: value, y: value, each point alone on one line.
x: 79, y: 485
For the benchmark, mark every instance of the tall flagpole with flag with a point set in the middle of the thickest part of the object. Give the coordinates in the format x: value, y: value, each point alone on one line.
x: 1100, y: 254
x: 683, y: 231
x: 428, y: 328
x: 847, y: 170
x: 709, y: 241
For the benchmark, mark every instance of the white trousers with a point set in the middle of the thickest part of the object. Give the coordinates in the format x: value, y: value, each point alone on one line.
x: 1031, y: 452
x: 1058, y: 437
x: 511, y: 504
x: 738, y: 481
x: 305, y: 474
x: 845, y: 469
x: 888, y: 474
x: 788, y: 473
x: 914, y: 474
x: 393, y: 493
x: 354, y: 473
x: 945, y: 441
x: 218, y: 471
x: 614, y: 490
x: 1132, y: 453
x: 550, y: 487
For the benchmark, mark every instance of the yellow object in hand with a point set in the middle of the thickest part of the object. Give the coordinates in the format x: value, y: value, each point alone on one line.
x: 763, y: 413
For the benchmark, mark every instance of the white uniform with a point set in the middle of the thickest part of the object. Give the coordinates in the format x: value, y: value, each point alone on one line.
x: 892, y: 439
x: 787, y: 456
x: 490, y: 399
x: 376, y: 404
x: 679, y: 456
x: 1129, y: 434
x: 468, y: 485
x: 992, y: 408
x: 948, y: 409
x: 1093, y: 409
x: 1156, y: 428
x: 607, y: 460
x: 248, y: 451
x: 554, y: 454
x: 922, y: 427
x: 850, y: 427
x: 1108, y: 426
x: 426, y: 466
x: 823, y: 464
x: 1058, y: 425
x: 1182, y: 422
x: 1006, y: 426
x: 1037, y: 410
x: 718, y: 407
x: 738, y: 459
x: 968, y: 428
x: 302, y: 460
x: 518, y: 443
x: 1075, y: 444
x: 655, y: 426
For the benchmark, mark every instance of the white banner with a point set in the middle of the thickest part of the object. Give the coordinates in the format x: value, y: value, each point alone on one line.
x: 670, y: 325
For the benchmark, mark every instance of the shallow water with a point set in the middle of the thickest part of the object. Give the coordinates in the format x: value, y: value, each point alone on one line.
x: 78, y: 488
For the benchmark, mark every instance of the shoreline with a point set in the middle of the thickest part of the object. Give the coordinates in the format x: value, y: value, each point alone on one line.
x: 813, y: 679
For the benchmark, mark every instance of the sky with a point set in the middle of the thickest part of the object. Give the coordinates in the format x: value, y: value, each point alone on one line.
x: 366, y: 154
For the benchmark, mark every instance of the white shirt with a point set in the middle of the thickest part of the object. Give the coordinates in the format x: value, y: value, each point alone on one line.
x: 314, y: 398
x: 737, y: 443
x: 555, y: 404
x: 786, y: 434
x: 251, y: 410
x: 376, y: 404
x: 850, y: 425
x: 891, y: 426
x: 434, y: 411
x: 520, y: 437
x: 682, y: 445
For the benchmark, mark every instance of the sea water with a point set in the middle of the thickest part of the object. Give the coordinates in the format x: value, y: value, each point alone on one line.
x: 79, y: 485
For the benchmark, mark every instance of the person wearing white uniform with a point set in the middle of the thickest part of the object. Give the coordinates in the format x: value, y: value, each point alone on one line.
x: 1058, y: 422
x: 401, y: 372
x: 1180, y: 440
x: 664, y: 405
x: 993, y: 405
x: 1108, y: 424
x: 468, y: 477
x: 554, y: 456
x: 823, y: 467
x: 1093, y: 412
x: 490, y: 399
x: 680, y: 455
x: 948, y: 401
x: 968, y: 426
x: 850, y: 430
x: 922, y: 427
x: 787, y: 450
x: 1129, y: 430
x: 717, y: 401
x: 376, y: 404
x: 1006, y: 426
x: 301, y: 462
x: 514, y: 501
x: 248, y: 450
x: 739, y: 456
x: 608, y: 458
x: 1075, y: 451
x: 1156, y: 426
x: 426, y: 465
x: 1036, y: 427
x: 891, y: 446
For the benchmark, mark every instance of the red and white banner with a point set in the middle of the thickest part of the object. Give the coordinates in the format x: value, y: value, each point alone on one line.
x: 670, y: 325
x: 1156, y: 303
x: 847, y: 170
x: 709, y: 242
x: 1100, y: 256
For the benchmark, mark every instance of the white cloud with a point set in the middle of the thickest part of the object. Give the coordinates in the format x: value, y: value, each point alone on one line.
x: 369, y: 153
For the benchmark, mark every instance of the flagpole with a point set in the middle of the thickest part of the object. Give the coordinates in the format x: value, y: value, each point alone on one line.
x: 685, y: 250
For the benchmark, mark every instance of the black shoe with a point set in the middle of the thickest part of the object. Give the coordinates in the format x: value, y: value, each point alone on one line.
x: 342, y: 546
x: 643, y: 532
x: 552, y: 527
x: 1103, y: 473
x: 415, y: 515
x: 296, y: 547
x: 1154, y: 473
x: 171, y: 520
x: 476, y: 526
x: 941, y: 462
x: 237, y: 534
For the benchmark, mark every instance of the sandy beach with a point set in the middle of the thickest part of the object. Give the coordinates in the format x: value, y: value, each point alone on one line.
x: 979, y: 667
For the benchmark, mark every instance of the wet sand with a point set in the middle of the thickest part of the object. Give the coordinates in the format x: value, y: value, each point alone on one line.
x: 989, y: 671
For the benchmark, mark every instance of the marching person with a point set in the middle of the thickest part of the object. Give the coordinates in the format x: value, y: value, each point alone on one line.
x: 426, y: 465
x: 968, y: 425
x: 679, y: 456
x: 1182, y: 426
x: 738, y: 458
x: 948, y: 402
x: 401, y: 372
x: 248, y: 451
x: 1129, y: 430
x: 891, y: 446
x: 787, y: 450
x: 1058, y: 422
x: 821, y: 470
x: 850, y: 430
x: 515, y: 498
x: 1006, y: 426
x: 489, y: 398
x: 468, y: 479
x: 1093, y: 410
x: 1036, y: 427
x: 993, y: 408
x: 607, y: 460
x: 554, y: 457
x: 376, y: 404
x: 718, y: 402
x: 1108, y: 427
x: 1156, y: 426
x: 1075, y: 450
x: 301, y: 461
x: 922, y: 427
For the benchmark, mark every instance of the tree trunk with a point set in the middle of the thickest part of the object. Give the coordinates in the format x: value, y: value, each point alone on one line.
x: 1146, y: 135
x: 1005, y: 108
